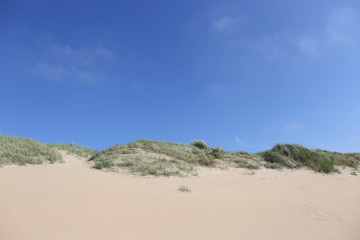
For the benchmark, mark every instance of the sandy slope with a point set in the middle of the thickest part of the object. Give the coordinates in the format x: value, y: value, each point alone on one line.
x: 71, y: 201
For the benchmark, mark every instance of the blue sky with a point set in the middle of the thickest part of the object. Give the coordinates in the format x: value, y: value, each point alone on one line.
x: 242, y: 75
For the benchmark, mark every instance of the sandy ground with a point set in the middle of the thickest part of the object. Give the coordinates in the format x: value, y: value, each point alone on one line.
x: 72, y: 201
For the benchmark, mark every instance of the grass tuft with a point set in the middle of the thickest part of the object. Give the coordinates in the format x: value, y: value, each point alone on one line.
x: 217, y: 152
x: 273, y: 165
x: 201, y: 144
x: 184, y: 189
x: 22, y: 151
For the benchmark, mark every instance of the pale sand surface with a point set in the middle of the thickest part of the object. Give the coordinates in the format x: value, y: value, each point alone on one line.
x: 73, y: 202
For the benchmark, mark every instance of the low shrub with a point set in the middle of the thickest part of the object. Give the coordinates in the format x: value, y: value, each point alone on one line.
x: 199, y: 144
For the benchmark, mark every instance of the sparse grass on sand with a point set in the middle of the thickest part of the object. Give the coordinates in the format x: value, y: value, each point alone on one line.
x: 184, y: 189
x: 73, y: 149
x: 22, y: 151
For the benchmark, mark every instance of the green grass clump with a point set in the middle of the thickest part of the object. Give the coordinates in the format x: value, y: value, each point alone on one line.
x: 273, y: 165
x: 241, y: 159
x: 22, y: 151
x: 217, y: 152
x: 155, y: 167
x: 244, y: 163
x: 104, y: 163
x: 73, y: 149
x: 201, y: 144
x: 187, y: 153
x: 273, y: 157
x: 295, y: 156
x: 184, y: 189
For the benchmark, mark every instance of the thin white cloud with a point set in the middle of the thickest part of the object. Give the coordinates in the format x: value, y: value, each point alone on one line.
x: 292, y: 127
x: 336, y: 29
x: 60, y: 73
x: 308, y: 45
x: 64, y: 63
x: 341, y: 27
x: 225, y: 23
x: 238, y: 141
x: 343, y: 24
x: 270, y: 47
x: 245, y: 145
x: 83, y: 56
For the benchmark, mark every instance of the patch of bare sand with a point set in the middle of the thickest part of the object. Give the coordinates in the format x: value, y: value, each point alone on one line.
x: 71, y: 201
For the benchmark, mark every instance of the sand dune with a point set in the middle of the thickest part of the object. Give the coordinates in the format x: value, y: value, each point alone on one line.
x: 72, y: 201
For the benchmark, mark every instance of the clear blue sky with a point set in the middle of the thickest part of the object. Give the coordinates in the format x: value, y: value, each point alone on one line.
x: 242, y: 75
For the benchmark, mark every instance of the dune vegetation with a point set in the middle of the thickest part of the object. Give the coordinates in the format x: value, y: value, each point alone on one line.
x: 22, y: 151
x: 159, y: 158
x: 149, y: 157
x: 74, y: 149
x: 296, y: 156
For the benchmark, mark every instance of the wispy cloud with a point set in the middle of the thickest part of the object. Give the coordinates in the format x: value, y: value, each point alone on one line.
x: 238, y: 141
x: 343, y: 24
x: 64, y: 63
x: 61, y: 73
x: 270, y: 47
x: 248, y: 146
x: 341, y: 29
x: 308, y: 45
x: 292, y: 127
x: 225, y: 23
x: 84, y: 56
x: 336, y: 29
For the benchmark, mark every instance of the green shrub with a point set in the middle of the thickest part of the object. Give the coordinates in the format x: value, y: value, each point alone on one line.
x: 105, y: 163
x: 217, y: 152
x: 199, y: 144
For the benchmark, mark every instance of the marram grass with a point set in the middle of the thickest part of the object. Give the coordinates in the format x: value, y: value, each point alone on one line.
x: 158, y: 158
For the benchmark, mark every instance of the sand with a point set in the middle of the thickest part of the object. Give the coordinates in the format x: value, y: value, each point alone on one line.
x: 72, y: 201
